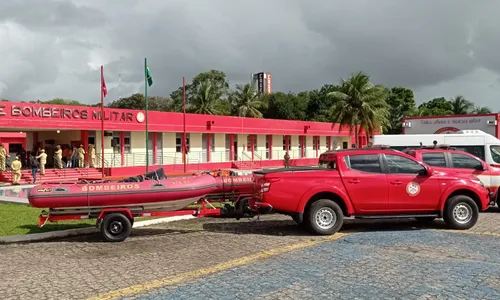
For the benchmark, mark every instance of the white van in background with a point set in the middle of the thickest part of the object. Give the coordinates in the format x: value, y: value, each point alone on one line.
x: 476, y: 142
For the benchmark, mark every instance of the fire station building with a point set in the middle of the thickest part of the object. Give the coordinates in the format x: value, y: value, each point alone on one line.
x: 211, y: 141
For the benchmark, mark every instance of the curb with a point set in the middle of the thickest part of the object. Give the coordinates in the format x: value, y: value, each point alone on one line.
x: 81, y: 231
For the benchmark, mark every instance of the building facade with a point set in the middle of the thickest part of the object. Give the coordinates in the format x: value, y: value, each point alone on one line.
x: 211, y: 141
x: 488, y: 123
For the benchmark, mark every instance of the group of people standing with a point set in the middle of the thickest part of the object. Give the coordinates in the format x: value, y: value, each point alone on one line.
x: 37, y: 159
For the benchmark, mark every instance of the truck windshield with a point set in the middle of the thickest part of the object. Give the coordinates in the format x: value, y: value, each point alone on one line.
x: 495, y: 153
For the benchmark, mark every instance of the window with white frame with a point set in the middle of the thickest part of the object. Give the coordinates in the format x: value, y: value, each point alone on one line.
x: 315, y: 142
x: 178, y: 142
x: 115, y: 142
x: 289, y: 142
x: 212, y: 142
x: 249, y: 142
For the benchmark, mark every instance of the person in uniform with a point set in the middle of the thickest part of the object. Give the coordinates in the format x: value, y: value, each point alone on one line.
x: 81, y: 156
x: 43, y: 161
x: 34, y: 165
x: 16, y: 171
x: 3, y: 158
x: 58, y: 157
x: 91, y: 156
x: 287, y: 160
x: 74, y: 157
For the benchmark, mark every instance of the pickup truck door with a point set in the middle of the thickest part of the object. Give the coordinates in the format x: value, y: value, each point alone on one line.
x: 408, y: 191
x: 468, y: 164
x: 365, y: 183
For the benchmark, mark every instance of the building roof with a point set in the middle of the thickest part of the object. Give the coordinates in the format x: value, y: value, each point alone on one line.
x: 27, y: 116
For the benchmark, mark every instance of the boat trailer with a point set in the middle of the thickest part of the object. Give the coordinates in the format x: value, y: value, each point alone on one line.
x: 115, y: 223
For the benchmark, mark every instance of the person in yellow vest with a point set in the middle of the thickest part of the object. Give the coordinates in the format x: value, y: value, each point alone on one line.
x: 43, y: 161
x: 3, y: 158
x: 16, y: 171
x: 81, y: 156
x: 91, y: 156
x: 58, y: 158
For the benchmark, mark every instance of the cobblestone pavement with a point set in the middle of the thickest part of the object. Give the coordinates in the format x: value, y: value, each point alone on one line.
x: 84, y: 267
x: 413, y: 264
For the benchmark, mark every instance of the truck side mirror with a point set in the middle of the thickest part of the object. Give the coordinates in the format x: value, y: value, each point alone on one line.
x: 425, y: 171
x: 479, y: 168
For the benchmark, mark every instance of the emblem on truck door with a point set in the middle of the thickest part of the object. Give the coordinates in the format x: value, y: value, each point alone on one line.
x: 412, y: 188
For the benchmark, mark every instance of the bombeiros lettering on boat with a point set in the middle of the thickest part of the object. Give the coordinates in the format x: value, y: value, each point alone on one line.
x: 236, y: 179
x: 111, y: 187
x: 181, y: 182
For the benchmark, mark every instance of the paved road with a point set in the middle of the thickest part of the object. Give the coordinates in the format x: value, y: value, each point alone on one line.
x: 157, y: 262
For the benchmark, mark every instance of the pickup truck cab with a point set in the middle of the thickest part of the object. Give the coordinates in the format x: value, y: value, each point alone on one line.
x: 368, y: 183
x: 447, y: 159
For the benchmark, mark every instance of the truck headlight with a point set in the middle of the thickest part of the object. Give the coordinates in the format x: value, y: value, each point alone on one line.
x: 478, y: 182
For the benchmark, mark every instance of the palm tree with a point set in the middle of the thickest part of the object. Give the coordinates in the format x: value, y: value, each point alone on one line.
x: 481, y: 110
x: 246, y: 101
x: 461, y: 106
x: 206, y: 99
x: 360, y: 105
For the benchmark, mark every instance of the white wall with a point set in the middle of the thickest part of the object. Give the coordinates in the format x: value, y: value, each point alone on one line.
x: 278, y: 151
x: 294, y: 153
x: 261, y: 147
x: 310, y: 153
x: 61, y: 138
x: 219, y: 153
x: 137, y: 156
x: 322, y: 144
x: 195, y: 148
x: 242, y: 147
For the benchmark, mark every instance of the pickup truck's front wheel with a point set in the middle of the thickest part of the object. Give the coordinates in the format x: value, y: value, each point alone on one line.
x: 324, y: 217
x: 460, y: 212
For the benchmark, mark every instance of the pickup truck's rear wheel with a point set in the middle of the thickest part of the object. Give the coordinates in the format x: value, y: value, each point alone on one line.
x: 460, y: 212
x: 324, y: 217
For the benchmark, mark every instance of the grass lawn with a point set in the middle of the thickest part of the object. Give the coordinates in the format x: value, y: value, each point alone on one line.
x: 22, y: 219
x: 16, y: 219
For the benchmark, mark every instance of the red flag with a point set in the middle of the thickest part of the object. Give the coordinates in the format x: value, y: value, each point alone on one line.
x: 103, y: 85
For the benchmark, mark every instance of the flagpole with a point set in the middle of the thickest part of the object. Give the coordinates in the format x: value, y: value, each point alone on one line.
x: 102, y: 122
x: 146, y: 117
x: 184, y: 141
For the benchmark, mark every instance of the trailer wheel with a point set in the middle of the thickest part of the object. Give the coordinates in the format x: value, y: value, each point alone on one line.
x: 116, y: 227
x: 324, y: 217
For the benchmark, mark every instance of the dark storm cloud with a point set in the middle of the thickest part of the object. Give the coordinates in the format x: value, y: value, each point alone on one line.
x: 305, y: 44
x: 50, y: 14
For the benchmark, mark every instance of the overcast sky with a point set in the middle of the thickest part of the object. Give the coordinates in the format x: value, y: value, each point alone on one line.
x: 54, y: 48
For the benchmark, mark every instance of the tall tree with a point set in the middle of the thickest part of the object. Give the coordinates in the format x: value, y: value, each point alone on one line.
x: 206, y: 99
x: 319, y: 103
x: 401, y: 103
x: 481, y: 110
x: 461, y: 106
x: 137, y: 101
x: 360, y: 105
x: 246, y: 102
x: 286, y: 106
x: 217, y: 80
x: 435, y: 107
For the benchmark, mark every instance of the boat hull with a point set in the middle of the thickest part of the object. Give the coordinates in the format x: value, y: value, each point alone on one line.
x: 169, y: 193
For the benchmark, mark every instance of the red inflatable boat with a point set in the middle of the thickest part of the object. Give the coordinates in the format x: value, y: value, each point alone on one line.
x: 149, y: 191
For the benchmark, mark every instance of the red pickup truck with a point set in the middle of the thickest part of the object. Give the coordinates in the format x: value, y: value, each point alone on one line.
x: 368, y: 183
x: 450, y: 160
